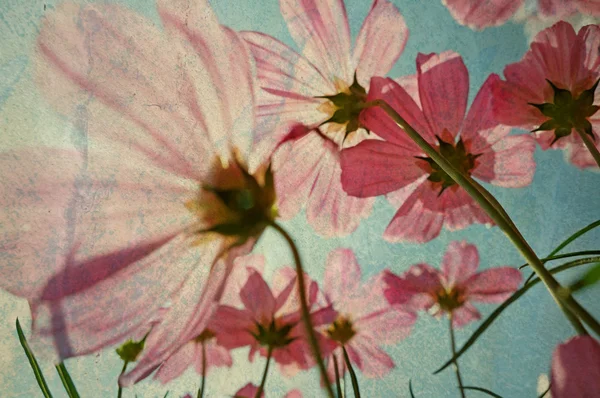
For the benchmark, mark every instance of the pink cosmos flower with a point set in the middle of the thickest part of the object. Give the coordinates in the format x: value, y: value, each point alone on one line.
x: 321, y: 88
x: 250, y: 390
x: 552, y: 91
x: 453, y: 289
x: 154, y: 208
x: 365, y: 319
x: 478, y: 14
x: 271, y: 318
x: 426, y: 196
x: 576, y: 368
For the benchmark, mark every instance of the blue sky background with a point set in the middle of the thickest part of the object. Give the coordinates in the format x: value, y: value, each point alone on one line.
x: 511, y: 355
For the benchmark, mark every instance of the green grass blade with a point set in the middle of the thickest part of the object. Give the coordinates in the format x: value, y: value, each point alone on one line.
x: 67, y: 382
x: 485, y: 390
x: 566, y: 255
x: 496, y: 313
x: 37, y: 372
x: 576, y: 235
x: 412, y: 394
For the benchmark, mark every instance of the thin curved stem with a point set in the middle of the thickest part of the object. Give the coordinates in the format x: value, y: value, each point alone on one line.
x: 203, y: 382
x: 352, y: 373
x: 456, y: 368
x: 312, y: 339
x: 590, y: 145
x: 337, y: 375
x: 261, y: 388
x: 120, y: 392
x: 500, y: 218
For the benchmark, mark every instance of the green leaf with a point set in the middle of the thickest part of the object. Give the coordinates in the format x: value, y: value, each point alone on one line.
x: 485, y: 390
x: 590, y: 278
x: 39, y: 377
x: 412, y: 394
x: 573, y: 237
x: 67, y: 382
x: 496, y: 313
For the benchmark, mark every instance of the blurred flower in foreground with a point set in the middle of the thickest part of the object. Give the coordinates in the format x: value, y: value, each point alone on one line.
x: 365, y: 319
x: 453, y: 289
x: 478, y: 14
x: 552, y: 91
x: 249, y: 391
x: 152, y: 211
x: 270, y: 320
x: 576, y: 369
x: 435, y: 106
x: 323, y: 88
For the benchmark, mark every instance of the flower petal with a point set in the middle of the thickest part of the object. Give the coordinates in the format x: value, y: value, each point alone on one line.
x: 460, y: 262
x: 321, y: 29
x: 415, y: 287
x: 370, y: 359
x: 464, y: 315
x: 220, y: 73
x: 232, y: 327
x: 482, y: 14
x: 342, y: 274
x: 444, y: 99
x: 380, y: 41
x: 257, y: 298
x: 177, y: 363
x: 374, y: 167
x: 98, y: 56
x: 493, y: 285
x: 377, y: 120
x: 388, y: 326
x: 575, y: 368
x: 216, y: 356
x: 414, y: 221
x: 508, y: 163
x: 330, y: 210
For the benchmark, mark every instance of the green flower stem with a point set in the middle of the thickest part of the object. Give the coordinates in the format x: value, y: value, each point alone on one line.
x: 312, y: 339
x: 67, y: 381
x: 500, y: 218
x: 122, y: 371
x: 590, y: 145
x: 201, y: 389
x: 261, y: 388
x: 337, y: 376
x: 456, y: 368
x: 352, y: 373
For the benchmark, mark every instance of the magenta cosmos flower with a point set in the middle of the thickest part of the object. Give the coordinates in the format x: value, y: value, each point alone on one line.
x: 453, y: 289
x: 365, y: 320
x: 478, y: 14
x: 272, y: 319
x: 250, y: 390
x: 552, y: 91
x: 158, y: 203
x: 322, y: 88
x: 426, y: 196
x: 576, y: 368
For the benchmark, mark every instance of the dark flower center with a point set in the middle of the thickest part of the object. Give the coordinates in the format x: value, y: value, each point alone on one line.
x: 567, y: 112
x: 449, y: 300
x: 341, y: 330
x: 348, y: 105
x: 457, y: 156
x: 273, y: 335
x: 206, y: 335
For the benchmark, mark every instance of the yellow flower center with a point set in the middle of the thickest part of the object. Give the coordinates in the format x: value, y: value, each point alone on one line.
x: 341, y: 330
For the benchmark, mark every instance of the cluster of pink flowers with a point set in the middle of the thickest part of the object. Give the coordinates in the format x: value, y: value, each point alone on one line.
x: 201, y: 137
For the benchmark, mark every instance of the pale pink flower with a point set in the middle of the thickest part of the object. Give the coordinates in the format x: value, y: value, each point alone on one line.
x: 153, y: 209
x: 272, y: 318
x: 453, y: 289
x: 426, y: 196
x: 365, y: 319
x: 250, y: 390
x: 292, y: 91
x: 570, y: 62
x: 576, y: 368
x: 479, y: 14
